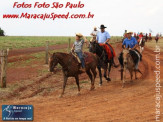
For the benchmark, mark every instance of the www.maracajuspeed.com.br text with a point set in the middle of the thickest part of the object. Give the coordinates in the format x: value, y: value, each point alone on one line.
x: 45, y: 16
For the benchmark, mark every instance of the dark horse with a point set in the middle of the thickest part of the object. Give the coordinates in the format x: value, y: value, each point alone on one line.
x: 94, y: 47
x: 71, y: 67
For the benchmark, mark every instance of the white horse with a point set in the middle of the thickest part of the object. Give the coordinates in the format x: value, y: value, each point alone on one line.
x: 142, y: 44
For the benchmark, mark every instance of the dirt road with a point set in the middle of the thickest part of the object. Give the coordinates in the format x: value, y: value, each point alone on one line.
x: 108, y: 103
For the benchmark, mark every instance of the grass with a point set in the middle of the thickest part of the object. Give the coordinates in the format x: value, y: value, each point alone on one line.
x: 19, y: 42
x: 152, y: 44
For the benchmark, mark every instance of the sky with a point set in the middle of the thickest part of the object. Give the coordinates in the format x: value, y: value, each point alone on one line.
x: 116, y: 15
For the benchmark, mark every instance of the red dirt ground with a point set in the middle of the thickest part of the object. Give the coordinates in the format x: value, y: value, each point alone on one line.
x: 108, y: 103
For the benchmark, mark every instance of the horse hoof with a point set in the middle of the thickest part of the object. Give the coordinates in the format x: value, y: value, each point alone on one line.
x: 100, y: 84
x: 92, y: 88
x: 60, y: 96
x: 108, y: 79
x: 78, y: 94
x: 123, y: 86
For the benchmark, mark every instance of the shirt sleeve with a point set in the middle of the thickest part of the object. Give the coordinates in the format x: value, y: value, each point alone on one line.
x: 124, y: 42
x: 82, y: 41
x: 107, y: 35
x: 97, y: 37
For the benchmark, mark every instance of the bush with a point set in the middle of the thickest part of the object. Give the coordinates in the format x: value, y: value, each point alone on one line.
x: 2, y: 33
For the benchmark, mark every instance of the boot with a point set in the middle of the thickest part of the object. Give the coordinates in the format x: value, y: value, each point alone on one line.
x: 82, y: 70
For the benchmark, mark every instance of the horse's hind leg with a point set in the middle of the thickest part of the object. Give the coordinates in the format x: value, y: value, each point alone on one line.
x: 77, y: 83
x: 109, y: 69
x: 131, y: 75
x: 136, y: 75
x: 121, y: 74
x: 90, y: 76
x: 64, y: 85
x: 124, y: 77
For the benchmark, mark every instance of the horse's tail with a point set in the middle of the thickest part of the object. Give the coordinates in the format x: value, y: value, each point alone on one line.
x: 139, y: 71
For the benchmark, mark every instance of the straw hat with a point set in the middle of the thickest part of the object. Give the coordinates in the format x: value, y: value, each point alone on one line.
x: 129, y: 32
x: 79, y: 35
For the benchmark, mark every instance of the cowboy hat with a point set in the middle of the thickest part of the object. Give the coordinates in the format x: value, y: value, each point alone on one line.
x: 102, y: 27
x: 129, y: 32
x: 95, y: 27
x: 79, y: 35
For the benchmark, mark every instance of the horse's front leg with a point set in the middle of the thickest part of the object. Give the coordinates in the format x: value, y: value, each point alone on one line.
x: 131, y: 75
x: 64, y: 85
x: 124, y: 77
x: 77, y: 83
x: 100, y: 74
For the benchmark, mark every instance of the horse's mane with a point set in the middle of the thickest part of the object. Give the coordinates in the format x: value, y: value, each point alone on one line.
x: 60, y: 53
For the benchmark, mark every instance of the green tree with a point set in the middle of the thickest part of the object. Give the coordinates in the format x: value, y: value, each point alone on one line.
x: 2, y: 33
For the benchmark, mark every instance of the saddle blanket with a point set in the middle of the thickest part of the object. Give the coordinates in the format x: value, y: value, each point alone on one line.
x: 109, y: 50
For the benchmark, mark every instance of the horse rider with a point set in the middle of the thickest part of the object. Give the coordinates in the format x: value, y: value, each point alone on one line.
x: 103, y: 37
x: 78, y: 49
x: 94, y: 34
x: 157, y: 38
x: 124, y: 36
x: 140, y: 36
x: 131, y: 43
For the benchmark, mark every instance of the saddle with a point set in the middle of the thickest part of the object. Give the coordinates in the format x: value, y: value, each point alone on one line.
x: 87, y: 57
x: 109, y: 50
x: 135, y: 54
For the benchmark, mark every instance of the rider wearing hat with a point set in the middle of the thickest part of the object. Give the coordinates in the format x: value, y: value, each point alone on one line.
x: 94, y: 32
x: 78, y: 48
x: 103, y: 37
x: 131, y: 43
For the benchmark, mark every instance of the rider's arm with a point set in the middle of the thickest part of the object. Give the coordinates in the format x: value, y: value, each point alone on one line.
x: 85, y: 40
x: 73, y: 47
x: 136, y: 44
x: 107, y: 41
x: 124, y: 44
x: 108, y: 37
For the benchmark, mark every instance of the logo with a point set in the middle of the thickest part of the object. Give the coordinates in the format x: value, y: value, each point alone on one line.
x: 17, y: 112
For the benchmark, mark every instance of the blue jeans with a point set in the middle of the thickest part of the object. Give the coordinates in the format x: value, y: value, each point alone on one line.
x: 80, y: 55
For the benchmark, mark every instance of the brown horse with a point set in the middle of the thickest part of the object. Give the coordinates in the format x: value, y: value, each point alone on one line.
x: 71, y: 67
x: 128, y: 65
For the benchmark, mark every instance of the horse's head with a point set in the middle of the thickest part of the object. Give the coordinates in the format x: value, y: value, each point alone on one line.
x: 53, y: 61
x: 126, y: 55
x: 92, y: 46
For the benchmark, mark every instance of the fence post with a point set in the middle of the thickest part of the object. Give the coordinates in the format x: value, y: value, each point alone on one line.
x: 4, y: 55
x: 46, y: 52
x: 69, y: 44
